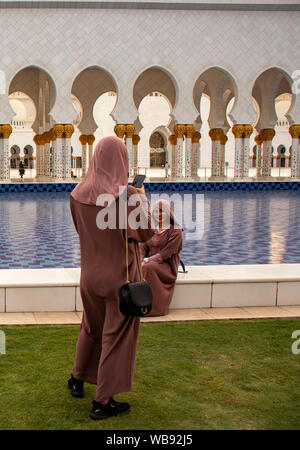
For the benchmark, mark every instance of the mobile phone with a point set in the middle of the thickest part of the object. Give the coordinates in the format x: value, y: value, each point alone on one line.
x: 138, y: 181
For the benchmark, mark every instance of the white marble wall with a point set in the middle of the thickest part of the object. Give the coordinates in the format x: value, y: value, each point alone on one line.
x: 182, y: 42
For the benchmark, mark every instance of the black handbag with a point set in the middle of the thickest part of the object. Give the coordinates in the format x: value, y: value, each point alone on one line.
x: 136, y: 296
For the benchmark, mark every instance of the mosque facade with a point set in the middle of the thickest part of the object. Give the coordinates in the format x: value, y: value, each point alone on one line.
x: 196, y: 83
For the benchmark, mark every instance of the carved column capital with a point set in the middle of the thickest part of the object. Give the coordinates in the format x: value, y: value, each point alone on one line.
x: 267, y: 134
x: 258, y: 139
x: 130, y: 129
x: 196, y: 137
x: 223, y: 139
x: 83, y: 139
x: 179, y: 130
x: 294, y: 131
x: 5, y: 131
x: 216, y: 134
x: 248, y: 130
x: 68, y: 130
x: 120, y: 130
x: 238, y: 131
x: 172, y: 139
x: 189, y: 131
x: 90, y: 139
x: 135, y: 139
x: 59, y: 131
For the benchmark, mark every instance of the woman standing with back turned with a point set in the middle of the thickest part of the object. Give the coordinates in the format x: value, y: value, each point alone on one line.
x: 107, y: 340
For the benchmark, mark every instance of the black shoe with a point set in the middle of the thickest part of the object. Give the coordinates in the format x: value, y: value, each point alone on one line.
x: 76, y: 387
x: 112, y: 408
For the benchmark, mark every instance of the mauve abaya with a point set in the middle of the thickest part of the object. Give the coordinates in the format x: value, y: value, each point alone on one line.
x: 107, y: 340
x: 161, y: 269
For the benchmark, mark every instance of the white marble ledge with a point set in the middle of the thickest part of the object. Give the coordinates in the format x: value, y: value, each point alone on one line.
x: 256, y: 273
x: 39, y: 277
x: 251, y: 273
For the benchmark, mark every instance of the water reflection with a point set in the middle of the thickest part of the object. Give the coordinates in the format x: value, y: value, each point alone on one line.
x: 239, y: 228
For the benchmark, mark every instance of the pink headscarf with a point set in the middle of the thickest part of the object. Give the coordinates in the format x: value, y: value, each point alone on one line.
x: 107, y: 171
x: 165, y: 206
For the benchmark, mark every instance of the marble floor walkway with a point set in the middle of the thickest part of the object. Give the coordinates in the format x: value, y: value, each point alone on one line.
x: 69, y: 318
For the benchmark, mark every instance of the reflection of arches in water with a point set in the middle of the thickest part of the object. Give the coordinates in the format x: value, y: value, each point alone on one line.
x: 215, y: 248
x: 157, y: 150
x: 28, y: 157
x: 281, y: 152
x: 14, y: 157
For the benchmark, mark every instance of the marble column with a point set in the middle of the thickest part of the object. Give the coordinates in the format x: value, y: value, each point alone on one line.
x: 189, y: 131
x: 223, y: 141
x: 238, y: 131
x: 216, y: 135
x: 173, y: 156
x: 38, y: 140
x: 53, y: 145
x: 5, y: 132
x: 67, y: 152
x: 195, y: 154
x: 135, y: 142
x: 83, y: 140
x: 47, y: 141
x: 294, y: 131
x: 258, y: 141
x: 90, y: 142
x: 267, y: 135
x: 248, y: 130
x: 129, y: 132
x: 179, y: 131
x: 59, y: 159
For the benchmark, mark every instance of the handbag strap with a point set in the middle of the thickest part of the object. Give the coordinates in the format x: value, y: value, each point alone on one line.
x: 137, y: 257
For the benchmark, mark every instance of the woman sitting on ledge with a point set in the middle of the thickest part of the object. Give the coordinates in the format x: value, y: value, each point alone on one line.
x: 160, y: 257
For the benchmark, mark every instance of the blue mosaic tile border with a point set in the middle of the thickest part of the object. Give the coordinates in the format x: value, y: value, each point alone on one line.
x: 224, y: 186
x: 37, y: 187
x: 166, y: 187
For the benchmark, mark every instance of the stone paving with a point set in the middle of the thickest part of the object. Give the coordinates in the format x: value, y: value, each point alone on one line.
x: 176, y: 315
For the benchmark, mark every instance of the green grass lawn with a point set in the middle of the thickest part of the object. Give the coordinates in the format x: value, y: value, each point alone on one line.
x: 189, y: 375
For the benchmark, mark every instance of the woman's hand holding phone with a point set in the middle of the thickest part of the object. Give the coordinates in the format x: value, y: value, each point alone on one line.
x: 141, y: 190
